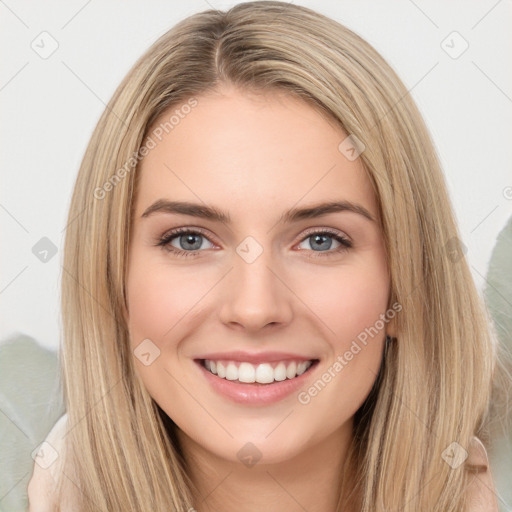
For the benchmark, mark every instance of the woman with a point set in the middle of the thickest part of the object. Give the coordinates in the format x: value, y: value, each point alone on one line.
x: 265, y: 303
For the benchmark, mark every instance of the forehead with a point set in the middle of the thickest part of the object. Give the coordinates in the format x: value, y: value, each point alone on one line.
x: 250, y: 151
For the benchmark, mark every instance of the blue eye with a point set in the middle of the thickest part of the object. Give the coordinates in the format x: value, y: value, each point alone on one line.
x: 191, y: 240
x: 320, y: 240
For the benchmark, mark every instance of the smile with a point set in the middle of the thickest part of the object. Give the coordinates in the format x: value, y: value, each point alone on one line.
x: 264, y: 373
x: 256, y: 384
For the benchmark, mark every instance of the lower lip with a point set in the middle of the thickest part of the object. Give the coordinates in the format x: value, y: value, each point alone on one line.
x: 255, y: 393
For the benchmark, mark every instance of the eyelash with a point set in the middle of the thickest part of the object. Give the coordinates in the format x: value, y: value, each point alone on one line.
x: 165, y: 240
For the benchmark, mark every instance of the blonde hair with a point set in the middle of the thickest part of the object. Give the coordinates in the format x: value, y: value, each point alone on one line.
x: 435, y: 385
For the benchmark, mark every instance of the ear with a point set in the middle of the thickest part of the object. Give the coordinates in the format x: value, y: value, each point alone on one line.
x: 481, y: 490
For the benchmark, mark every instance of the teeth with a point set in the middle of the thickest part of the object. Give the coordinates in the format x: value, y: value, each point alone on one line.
x: 246, y: 373
x: 231, y: 372
x: 301, y: 368
x: 280, y: 372
x: 221, y: 371
x: 291, y: 370
x: 264, y: 373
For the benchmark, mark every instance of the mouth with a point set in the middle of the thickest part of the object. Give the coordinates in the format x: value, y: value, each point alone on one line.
x: 263, y: 374
x: 228, y: 381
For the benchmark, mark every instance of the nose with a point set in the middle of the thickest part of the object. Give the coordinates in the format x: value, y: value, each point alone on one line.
x: 255, y: 295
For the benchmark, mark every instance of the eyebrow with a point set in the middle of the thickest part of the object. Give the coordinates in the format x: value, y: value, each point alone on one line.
x: 293, y: 215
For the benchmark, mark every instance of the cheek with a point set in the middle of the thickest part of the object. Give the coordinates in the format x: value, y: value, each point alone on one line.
x: 351, y: 303
x: 348, y: 300
x: 160, y: 303
x: 159, y: 298
x: 150, y: 306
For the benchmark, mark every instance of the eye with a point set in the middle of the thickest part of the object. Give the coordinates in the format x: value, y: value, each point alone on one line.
x: 321, y: 245
x: 189, y: 242
x: 183, y: 241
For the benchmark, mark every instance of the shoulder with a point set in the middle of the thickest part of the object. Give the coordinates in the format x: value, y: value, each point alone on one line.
x: 481, y: 492
x: 48, y: 463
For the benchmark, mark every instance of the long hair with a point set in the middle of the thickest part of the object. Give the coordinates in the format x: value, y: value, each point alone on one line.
x: 435, y: 384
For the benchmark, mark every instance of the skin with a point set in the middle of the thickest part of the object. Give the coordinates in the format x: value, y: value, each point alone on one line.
x: 255, y: 157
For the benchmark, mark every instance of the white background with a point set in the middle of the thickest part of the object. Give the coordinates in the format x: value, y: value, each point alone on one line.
x: 49, y: 108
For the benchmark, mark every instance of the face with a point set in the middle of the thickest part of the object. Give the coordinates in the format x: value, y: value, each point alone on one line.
x: 269, y: 284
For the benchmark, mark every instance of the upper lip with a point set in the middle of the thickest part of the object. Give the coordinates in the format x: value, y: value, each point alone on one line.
x: 255, y: 358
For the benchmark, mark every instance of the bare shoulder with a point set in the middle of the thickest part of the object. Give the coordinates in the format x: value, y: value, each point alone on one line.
x: 481, y: 489
x: 48, y: 464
